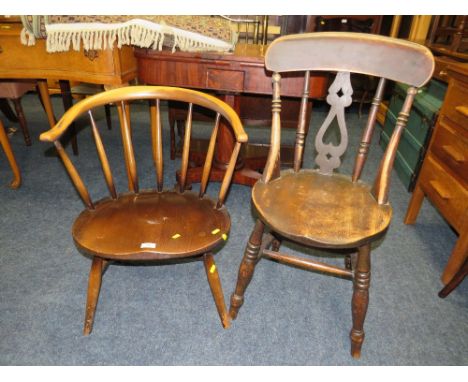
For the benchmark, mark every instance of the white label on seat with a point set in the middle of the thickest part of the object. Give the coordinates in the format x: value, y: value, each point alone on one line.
x: 147, y: 245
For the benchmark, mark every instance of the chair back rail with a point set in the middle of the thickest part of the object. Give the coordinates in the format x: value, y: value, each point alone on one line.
x: 121, y: 97
x: 380, y: 56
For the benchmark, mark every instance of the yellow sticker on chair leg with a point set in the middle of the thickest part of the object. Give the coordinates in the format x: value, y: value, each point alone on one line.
x: 212, y: 268
x: 224, y: 236
x: 215, y: 231
x: 176, y: 236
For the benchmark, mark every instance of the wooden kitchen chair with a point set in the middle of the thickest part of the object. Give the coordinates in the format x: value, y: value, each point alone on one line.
x: 320, y: 207
x: 157, y: 223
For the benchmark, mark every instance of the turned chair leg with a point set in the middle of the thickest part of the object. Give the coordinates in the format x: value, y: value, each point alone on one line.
x: 247, y: 268
x: 360, y: 299
x: 216, y: 289
x: 22, y: 121
x: 94, y: 286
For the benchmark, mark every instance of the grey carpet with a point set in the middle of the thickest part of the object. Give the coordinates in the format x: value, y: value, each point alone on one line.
x: 165, y: 315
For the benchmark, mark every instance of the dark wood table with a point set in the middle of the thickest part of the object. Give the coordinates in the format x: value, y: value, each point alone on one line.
x: 228, y: 75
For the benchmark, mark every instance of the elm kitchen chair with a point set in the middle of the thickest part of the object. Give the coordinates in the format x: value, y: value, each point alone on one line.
x: 158, y: 223
x: 320, y: 207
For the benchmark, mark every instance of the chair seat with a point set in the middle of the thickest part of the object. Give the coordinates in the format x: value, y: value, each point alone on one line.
x: 321, y: 210
x: 151, y: 225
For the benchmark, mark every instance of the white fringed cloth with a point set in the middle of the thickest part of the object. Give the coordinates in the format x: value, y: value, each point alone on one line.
x: 185, y: 33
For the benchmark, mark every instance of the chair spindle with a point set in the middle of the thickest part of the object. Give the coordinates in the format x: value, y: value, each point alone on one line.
x: 368, y: 132
x: 156, y: 137
x: 209, y: 157
x: 228, y: 175
x: 103, y: 157
x: 186, y: 149
x: 301, y: 128
x: 75, y: 177
x: 130, y: 162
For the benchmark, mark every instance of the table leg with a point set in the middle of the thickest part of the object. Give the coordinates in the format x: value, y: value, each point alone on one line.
x: 5, y: 143
x: 67, y: 104
x: 7, y: 111
x: 45, y: 97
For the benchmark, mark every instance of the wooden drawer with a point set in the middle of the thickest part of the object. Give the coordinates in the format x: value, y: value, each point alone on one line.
x: 456, y: 104
x: 450, y: 146
x: 227, y: 80
x: 449, y: 196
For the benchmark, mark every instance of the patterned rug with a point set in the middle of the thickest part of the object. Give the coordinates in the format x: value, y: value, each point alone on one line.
x: 186, y: 33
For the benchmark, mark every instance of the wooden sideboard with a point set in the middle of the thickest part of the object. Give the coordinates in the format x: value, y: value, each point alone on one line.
x: 444, y: 173
x: 114, y: 67
x: 227, y: 75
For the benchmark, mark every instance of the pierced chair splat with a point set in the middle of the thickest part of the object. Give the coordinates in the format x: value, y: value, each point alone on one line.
x: 152, y: 224
x: 319, y: 207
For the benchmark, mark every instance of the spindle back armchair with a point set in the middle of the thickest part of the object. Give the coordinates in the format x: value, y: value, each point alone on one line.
x: 158, y: 223
x: 320, y: 207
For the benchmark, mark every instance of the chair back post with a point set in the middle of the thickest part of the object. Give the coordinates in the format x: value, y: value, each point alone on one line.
x: 382, y: 181
x: 273, y: 159
x: 368, y: 131
x: 301, y: 126
x: 186, y: 149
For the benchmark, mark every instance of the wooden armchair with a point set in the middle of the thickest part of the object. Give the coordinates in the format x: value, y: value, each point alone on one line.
x: 157, y: 223
x: 320, y: 207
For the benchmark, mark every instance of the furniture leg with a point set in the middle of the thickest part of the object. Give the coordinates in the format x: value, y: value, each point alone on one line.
x: 360, y: 299
x: 459, y: 253
x: 5, y: 143
x: 67, y: 100
x: 46, y: 102
x: 216, y: 289
x: 414, y: 205
x: 108, y: 116
x: 247, y: 268
x: 22, y: 121
x: 456, y: 280
x: 6, y: 110
x: 94, y: 286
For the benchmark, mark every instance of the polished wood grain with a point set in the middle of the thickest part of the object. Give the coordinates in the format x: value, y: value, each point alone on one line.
x: 444, y: 174
x: 321, y: 207
x: 115, y: 67
x: 154, y: 224
x: 321, y: 201
x: 5, y: 143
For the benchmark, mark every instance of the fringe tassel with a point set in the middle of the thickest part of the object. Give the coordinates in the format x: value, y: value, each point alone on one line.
x: 27, y: 38
x: 133, y: 34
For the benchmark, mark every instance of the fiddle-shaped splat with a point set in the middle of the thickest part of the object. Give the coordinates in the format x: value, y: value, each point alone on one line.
x: 328, y: 157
